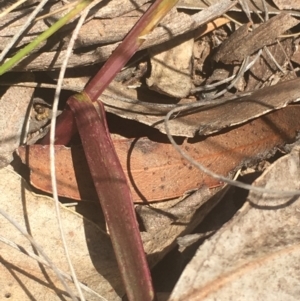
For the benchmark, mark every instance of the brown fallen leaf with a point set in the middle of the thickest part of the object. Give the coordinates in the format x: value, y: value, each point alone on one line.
x: 155, y: 171
x: 241, y: 44
x: 211, y: 119
x: 256, y: 255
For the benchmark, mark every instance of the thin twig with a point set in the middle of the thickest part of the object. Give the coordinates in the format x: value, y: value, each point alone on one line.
x: 266, y: 10
x: 273, y: 59
x: 242, y: 70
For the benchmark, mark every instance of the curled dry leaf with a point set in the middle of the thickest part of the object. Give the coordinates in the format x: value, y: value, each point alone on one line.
x: 155, y: 171
x: 204, y: 120
x: 212, y: 119
x: 256, y: 255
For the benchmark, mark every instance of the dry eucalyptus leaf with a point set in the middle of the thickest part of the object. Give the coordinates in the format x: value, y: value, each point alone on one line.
x: 171, y: 67
x: 254, y: 256
x: 90, y: 249
x: 155, y: 171
x: 14, y: 106
x: 212, y: 119
x: 242, y: 44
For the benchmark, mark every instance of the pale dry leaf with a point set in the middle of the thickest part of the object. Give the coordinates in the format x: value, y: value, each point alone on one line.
x: 255, y: 256
x: 90, y: 249
x: 14, y: 106
x: 287, y: 4
x: 171, y: 67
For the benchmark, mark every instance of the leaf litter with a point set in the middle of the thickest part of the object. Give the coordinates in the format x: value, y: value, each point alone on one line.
x: 132, y: 100
x: 255, y: 255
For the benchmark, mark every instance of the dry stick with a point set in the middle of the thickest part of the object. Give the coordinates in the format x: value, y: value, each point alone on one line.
x: 52, y: 151
x: 266, y: 10
x: 24, y: 27
x: 246, y: 9
x: 41, y: 251
x: 45, y: 263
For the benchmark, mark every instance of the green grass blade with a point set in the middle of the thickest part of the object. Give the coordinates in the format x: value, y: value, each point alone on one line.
x: 44, y: 36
